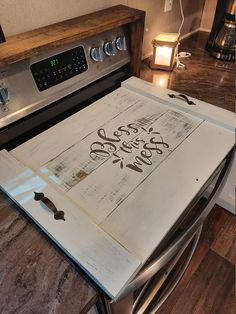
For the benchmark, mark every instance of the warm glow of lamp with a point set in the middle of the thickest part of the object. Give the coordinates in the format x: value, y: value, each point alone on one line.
x: 164, y: 51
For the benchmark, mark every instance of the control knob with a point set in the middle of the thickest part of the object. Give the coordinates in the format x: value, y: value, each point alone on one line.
x: 97, y: 54
x: 121, y: 43
x: 110, y: 48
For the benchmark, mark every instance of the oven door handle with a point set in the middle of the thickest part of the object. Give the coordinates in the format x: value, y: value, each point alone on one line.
x: 172, y: 250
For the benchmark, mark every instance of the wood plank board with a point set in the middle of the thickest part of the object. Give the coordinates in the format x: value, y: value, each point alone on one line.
x: 105, y: 260
x: 22, y: 46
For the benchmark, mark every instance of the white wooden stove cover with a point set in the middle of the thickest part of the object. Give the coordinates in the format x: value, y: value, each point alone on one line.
x: 134, y: 191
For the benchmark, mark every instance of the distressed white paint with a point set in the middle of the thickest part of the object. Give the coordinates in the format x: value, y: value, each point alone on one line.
x: 151, y: 210
x: 70, y: 131
x: 98, y: 185
x: 106, y: 188
x: 136, y: 209
x: 65, y: 166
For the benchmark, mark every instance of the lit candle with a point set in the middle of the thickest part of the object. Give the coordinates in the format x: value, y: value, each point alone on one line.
x: 164, y: 51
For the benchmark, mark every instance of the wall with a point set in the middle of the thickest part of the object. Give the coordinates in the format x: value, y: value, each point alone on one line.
x: 208, y: 14
x: 17, y: 16
x: 158, y: 21
x: 20, y: 16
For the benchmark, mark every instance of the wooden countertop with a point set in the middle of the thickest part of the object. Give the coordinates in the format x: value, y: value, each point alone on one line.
x: 204, y: 78
x: 35, y: 276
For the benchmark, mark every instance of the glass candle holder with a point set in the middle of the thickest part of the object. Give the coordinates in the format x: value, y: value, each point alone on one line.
x: 164, y: 51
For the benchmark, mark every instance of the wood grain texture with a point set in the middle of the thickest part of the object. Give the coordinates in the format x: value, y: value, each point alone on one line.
x: 137, y: 31
x: 26, y: 45
x: 217, y: 298
x: 221, y: 234
x: 35, y: 277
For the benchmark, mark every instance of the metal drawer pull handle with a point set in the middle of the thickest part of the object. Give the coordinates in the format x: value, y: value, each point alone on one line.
x: 182, y: 97
x: 58, y: 214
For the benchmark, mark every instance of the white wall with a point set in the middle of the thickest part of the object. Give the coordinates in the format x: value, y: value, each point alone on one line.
x: 17, y: 16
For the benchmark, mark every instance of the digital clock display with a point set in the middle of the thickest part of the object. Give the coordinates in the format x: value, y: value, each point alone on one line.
x: 59, y: 68
x: 54, y: 62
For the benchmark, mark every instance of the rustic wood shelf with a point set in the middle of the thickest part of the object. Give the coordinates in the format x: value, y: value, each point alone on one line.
x: 23, y: 46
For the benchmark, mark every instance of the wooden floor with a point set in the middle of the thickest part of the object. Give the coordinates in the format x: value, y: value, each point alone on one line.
x: 208, y: 286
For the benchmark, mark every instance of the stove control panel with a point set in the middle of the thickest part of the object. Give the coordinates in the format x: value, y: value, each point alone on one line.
x: 57, y: 69
x: 32, y: 84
